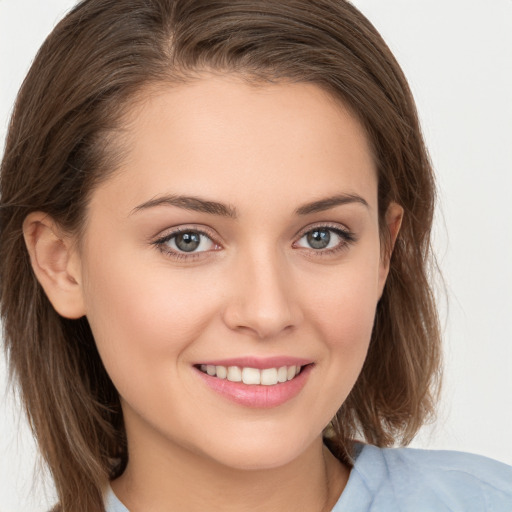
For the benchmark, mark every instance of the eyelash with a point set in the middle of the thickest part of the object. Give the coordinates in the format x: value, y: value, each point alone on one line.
x: 346, y: 236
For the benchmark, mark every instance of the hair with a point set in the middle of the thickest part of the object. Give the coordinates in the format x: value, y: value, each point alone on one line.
x: 61, y: 145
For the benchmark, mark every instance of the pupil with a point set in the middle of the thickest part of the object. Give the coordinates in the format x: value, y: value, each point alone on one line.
x: 188, y: 242
x: 319, y: 238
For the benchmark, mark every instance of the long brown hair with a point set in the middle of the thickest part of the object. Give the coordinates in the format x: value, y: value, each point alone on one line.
x: 61, y: 144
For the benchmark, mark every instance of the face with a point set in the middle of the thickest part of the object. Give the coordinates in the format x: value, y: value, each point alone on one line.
x: 238, y: 240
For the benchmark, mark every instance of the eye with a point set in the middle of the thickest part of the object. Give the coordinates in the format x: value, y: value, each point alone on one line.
x: 186, y: 241
x: 325, y: 238
x: 190, y: 241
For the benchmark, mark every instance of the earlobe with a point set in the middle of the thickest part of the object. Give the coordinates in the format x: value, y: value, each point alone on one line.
x: 55, y: 263
x: 394, y: 216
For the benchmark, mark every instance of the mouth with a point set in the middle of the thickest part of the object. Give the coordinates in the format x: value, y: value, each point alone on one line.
x: 253, y: 376
x: 256, y: 382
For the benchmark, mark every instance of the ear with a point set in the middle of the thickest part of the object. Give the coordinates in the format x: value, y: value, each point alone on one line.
x: 393, y: 218
x: 56, y: 264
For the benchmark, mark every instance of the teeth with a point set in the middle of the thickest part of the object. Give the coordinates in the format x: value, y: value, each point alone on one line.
x: 234, y: 374
x: 269, y: 377
x: 222, y: 372
x: 252, y: 376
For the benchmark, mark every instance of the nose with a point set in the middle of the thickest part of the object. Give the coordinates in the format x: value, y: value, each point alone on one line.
x: 263, y: 301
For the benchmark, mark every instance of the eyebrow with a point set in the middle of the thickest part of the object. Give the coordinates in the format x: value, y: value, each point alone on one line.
x: 330, y: 202
x: 198, y: 204
x: 189, y: 203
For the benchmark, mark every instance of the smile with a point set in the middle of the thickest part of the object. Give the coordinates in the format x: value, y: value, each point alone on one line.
x: 256, y: 382
x: 252, y: 376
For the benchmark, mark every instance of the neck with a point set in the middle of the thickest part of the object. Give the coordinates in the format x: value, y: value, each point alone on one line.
x: 177, y: 479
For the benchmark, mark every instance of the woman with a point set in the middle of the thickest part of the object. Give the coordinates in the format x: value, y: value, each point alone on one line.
x: 215, y: 241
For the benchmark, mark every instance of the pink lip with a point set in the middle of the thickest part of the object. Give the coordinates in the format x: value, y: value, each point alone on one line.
x: 259, y: 362
x: 257, y: 396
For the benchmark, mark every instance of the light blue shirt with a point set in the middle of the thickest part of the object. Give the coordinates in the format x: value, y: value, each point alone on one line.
x: 408, y: 480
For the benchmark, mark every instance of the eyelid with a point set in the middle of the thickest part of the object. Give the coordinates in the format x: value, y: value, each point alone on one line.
x: 168, y: 233
x: 326, y: 225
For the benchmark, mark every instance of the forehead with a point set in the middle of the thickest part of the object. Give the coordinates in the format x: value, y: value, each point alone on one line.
x: 224, y: 138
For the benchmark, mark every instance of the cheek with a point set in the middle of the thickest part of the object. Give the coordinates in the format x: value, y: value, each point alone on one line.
x: 342, y: 313
x: 345, y: 323
x: 141, y: 314
x: 342, y: 303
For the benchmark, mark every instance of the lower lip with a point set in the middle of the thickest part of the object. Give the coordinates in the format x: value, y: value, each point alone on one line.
x: 258, y: 396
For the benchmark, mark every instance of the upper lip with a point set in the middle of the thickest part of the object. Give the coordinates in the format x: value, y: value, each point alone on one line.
x: 260, y: 363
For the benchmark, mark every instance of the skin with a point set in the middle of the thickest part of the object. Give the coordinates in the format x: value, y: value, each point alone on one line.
x: 257, y: 289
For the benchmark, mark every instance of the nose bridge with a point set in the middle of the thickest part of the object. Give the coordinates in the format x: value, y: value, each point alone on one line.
x: 263, y: 299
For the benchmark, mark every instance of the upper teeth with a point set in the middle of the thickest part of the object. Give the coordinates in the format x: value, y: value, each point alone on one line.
x: 266, y: 377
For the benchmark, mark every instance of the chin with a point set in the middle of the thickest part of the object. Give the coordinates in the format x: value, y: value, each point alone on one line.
x: 260, y: 454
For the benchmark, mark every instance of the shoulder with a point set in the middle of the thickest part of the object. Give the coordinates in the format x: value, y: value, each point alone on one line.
x: 441, y: 463
x: 424, y: 480
x: 112, y: 503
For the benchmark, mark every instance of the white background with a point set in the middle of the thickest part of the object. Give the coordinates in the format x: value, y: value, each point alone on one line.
x: 457, y: 55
